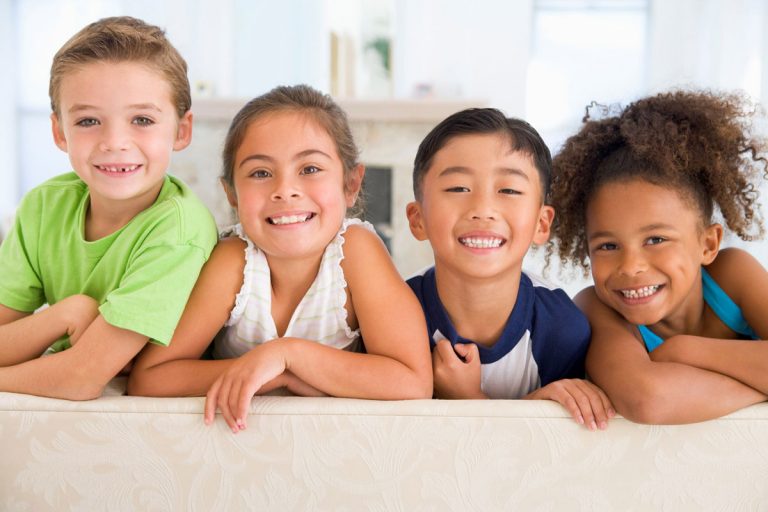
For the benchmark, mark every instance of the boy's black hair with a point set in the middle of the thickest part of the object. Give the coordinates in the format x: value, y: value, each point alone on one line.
x: 523, y: 137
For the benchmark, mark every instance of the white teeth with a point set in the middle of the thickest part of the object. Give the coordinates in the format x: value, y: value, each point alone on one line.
x: 638, y: 293
x: 118, y: 169
x: 290, y: 219
x: 481, y: 242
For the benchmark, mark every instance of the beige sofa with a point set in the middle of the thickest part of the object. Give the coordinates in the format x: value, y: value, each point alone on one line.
x: 145, y: 454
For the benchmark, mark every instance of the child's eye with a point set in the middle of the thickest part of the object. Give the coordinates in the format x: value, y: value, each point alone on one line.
x: 260, y: 173
x: 88, y: 121
x: 310, y: 169
x: 143, y: 121
x: 457, y: 189
x: 510, y: 191
x: 607, y: 246
x: 655, y: 240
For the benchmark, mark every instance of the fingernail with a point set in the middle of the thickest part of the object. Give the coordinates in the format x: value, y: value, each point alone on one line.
x: 603, y: 425
x: 593, y: 426
x: 580, y: 420
x: 207, y: 421
x: 611, y: 413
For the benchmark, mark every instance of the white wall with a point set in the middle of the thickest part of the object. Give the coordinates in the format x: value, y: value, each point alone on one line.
x: 475, y: 50
x: 8, y: 141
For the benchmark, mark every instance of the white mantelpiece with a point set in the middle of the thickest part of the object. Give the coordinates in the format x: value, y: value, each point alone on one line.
x: 387, y: 133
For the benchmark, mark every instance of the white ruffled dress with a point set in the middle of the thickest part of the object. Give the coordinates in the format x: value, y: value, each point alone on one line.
x: 320, y: 316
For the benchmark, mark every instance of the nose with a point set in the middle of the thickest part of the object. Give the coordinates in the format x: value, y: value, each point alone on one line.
x: 482, y: 206
x: 632, y: 262
x: 285, y: 188
x: 115, y: 139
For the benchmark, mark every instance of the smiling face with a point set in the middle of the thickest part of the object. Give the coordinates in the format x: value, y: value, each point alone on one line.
x: 646, y: 248
x: 481, y: 207
x: 289, y: 185
x: 119, y: 127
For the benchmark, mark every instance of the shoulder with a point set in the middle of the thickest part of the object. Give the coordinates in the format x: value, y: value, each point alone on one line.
x: 56, y: 188
x: 556, y: 320
x: 553, y: 304
x: 179, y: 217
x: 736, y: 272
x: 229, y: 251
x: 362, y: 243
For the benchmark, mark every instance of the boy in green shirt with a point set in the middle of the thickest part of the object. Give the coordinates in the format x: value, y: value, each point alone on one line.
x: 116, y: 246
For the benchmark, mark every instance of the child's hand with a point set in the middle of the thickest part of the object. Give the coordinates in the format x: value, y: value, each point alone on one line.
x: 453, y: 377
x: 233, y: 390
x: 587, y: 403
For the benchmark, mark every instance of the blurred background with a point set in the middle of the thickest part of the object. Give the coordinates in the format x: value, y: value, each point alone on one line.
x: 398, y: 67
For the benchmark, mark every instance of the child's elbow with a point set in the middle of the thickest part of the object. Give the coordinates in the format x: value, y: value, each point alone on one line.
x: 137, y: 384
x: 649, y: 405
x: 420, y: 388
x: 84, y: 392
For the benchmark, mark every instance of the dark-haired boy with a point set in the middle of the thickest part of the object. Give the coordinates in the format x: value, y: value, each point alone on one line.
x: 480, y: 181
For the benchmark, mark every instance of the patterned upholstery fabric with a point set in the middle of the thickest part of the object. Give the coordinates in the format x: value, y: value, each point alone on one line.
x: 132, y: 453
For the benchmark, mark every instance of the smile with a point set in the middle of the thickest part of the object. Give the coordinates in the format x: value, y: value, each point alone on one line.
x: 290, y: 219
x: 118, y: 168
x: 640, y: 293
x: 482, y: 242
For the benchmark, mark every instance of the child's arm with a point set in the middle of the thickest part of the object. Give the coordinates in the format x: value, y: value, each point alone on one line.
x: 176, y: 370
x: 745, y: 280
x: 81, y: 372
x: 653, y: 392
x: 25, y: 336
x: 397, y: 363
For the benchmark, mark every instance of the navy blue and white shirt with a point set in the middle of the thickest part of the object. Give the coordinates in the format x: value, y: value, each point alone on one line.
x: 545, y: 339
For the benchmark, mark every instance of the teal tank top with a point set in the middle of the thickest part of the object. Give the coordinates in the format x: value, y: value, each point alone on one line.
x: 722, y: 305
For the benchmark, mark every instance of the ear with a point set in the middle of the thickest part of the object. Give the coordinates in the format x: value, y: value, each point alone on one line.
x: 416, y: 220
x: 710, y: 242
x: 231, y: 195
x: 58, y: 133
x: 353, y: 183
x: 183, y: 132
x: 544, y: 224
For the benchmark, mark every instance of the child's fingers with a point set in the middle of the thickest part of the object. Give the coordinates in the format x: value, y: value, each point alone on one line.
x: 210, y: 402
x: 244, y: 403
x: 583, y: 398
x: 565, y: 397
x: 607, y: 405
x: 223, y: 403
x: 468, y: 351
x: 233, y: 402
x: 591, y: 404
x: 445, y: 351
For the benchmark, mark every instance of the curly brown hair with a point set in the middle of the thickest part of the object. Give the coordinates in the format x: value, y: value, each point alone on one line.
x: 699, y: 143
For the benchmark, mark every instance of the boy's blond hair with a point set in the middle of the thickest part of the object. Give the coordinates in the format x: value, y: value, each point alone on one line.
x: 121, y: 39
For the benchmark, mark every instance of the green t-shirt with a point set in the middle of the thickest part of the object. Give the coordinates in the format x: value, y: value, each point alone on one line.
x: 141, y: 275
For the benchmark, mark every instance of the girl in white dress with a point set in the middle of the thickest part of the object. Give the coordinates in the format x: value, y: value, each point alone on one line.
x: 299, y: 288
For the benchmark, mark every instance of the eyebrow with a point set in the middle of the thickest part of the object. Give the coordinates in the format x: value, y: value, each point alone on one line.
x: 649, y: 227
x: 300, y: 154
x: 78, y: 107
x: 507, y: 171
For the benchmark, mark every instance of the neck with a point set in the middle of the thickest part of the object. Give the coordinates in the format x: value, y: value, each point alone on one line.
x: 688, y: 318
x: 478, y: 308
x: 104, y: 216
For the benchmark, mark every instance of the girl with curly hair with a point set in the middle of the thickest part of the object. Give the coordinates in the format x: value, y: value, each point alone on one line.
x: 674, y: 317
